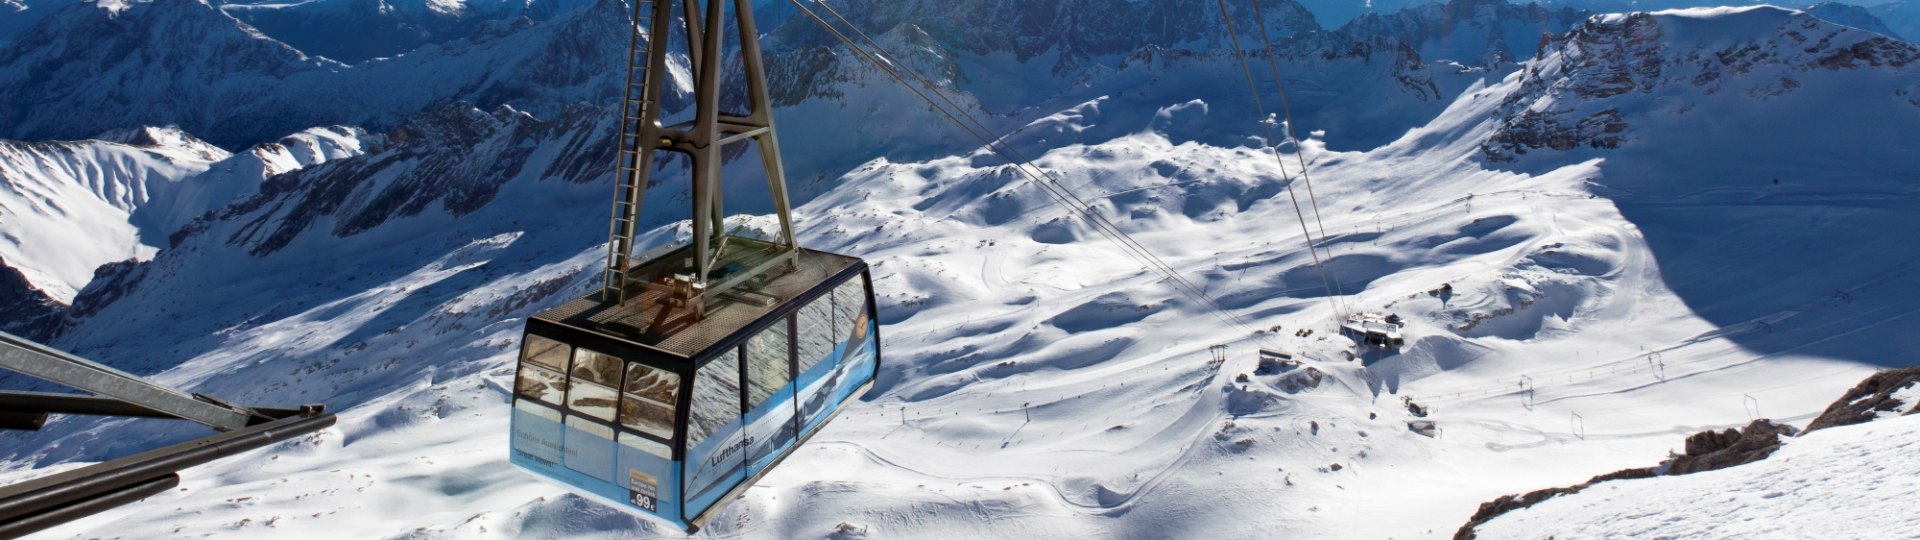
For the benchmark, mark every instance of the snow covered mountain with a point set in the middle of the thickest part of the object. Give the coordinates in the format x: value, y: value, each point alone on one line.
x: 256, y: 88
x: 1667, y: 102
x: 1013, y: 63
x: 1576, y: 247
x: 71, y: 207
x: 183, y: 62
x: 1472, y: 32
x: 66, y: 208
x: 384, y: 28
x: 1901, y: 16
x: 1851, y: 15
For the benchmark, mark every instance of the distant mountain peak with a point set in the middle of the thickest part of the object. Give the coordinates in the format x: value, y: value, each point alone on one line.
x: 1590, y: 85
x: 1851, y: 15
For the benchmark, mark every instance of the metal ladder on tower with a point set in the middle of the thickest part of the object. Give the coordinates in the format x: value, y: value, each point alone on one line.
x: 691, y: 277
x: 629, y: 188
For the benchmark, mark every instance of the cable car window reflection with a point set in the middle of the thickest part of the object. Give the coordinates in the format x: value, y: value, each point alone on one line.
x: 716, y: 398
x: 648, y: 407
x: 850, y: 311
x: 540, y: 370
x: 715, y: 459
x: 815, y: 322
x: 768, y: 364
x: 594, y: 377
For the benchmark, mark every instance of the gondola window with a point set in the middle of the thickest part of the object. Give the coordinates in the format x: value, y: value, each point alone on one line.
x: 542, y: 364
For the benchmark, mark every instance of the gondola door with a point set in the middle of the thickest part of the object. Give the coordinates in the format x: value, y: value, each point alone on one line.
x: 771, y: 430
x: 716, y: 441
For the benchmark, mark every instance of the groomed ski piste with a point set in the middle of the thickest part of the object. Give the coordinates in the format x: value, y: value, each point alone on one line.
x: 1600, y: 304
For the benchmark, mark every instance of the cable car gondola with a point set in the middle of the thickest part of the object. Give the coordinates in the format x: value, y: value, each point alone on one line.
x: 690, y: 375
x: 644, y: 407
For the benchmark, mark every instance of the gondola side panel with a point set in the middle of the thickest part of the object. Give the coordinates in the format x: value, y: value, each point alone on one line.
x: 563, y: 430
x: 851, y: 356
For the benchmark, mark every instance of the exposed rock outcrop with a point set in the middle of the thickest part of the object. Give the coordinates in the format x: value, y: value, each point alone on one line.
x: 26, y: 311
x: 1714, y: 450
x: 1872, y: 398
x: 1883, y: 394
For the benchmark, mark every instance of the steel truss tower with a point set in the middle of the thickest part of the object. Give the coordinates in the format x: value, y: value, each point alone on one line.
x: 719, y: 264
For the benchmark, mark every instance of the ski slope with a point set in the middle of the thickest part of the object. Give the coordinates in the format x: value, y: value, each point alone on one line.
x: 1846, y: 482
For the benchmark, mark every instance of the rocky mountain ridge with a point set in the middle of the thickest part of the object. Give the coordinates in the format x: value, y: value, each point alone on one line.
x: 1645, y: 59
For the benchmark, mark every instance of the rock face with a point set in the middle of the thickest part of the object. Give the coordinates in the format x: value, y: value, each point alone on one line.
x: 24, y: 310
x: 1710, y: 450
x: 1589, y: 87
x: 1879, y: 395
x: 1508, y: 503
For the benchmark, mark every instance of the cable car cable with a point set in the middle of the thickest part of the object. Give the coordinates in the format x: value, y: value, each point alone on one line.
x: 1300, y: 151
x: 1063, y: 194
x: 1254, y: 88
x: 1059, y: 193
x: 1079, y: 204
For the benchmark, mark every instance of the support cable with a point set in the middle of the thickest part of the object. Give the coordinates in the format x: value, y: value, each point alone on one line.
x: 1077, y: 203
x: 1053, y: 184
x: 1300, y: 151
x: 1254, y: 88
x: 1060, y: 194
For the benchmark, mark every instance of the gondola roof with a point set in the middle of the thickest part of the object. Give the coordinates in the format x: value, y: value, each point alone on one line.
x: 647, y: 321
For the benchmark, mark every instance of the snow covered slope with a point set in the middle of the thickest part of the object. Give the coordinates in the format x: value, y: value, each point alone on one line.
x: 70, y: 207
x: 183, y: 62
x: 1851, y: 15
x: 66, y: 208
x: 383, y: 28
x: 1577, y: 297
x: 1846, y: 482
x: 1901, y: 16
